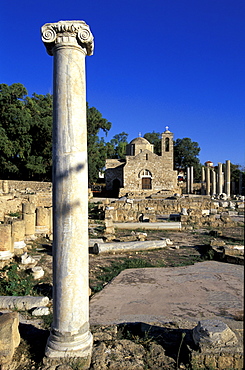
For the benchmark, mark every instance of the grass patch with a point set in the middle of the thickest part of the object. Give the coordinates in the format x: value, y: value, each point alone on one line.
x: 15, y: 214
x: 107, y: 273
x: 16, y: 282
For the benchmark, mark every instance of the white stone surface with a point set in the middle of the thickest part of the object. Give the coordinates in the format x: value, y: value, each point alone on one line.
x: 22, y: 303
x: 27, y: 260
x: 69, y: 42
x: 41, y: 311
x: 37, y: 272
x: 19, y: 245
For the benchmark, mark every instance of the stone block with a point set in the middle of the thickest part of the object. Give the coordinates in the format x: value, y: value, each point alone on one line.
x: 205, y: 212
x: 30, y: 223
x: 9, y: 336
x: 42, y: 218
x: 18, y: 230
x: 6, y: 242
x: 28, y: 207
x: 213, y: 333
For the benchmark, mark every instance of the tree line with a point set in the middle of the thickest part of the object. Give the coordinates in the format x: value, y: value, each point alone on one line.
x: 26, y: 139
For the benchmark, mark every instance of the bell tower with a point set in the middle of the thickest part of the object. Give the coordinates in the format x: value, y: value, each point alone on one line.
x: 167, y: 151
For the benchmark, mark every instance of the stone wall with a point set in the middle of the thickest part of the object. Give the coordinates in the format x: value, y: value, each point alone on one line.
x: 9, y: 186
x: 130, y: 210
x: 192, y: 211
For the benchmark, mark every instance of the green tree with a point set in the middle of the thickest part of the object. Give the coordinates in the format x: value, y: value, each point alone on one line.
x: 96, y: 146
x: 39, y: 163
x: 186, y: 154
x: 155, y: 139
x: 15, y: 138
x: 119, y: 142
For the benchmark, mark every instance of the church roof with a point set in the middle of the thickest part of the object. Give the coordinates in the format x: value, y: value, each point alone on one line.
x: 139, y: 140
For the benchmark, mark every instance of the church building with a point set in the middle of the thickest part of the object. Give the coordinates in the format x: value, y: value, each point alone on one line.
x: 143, y: 172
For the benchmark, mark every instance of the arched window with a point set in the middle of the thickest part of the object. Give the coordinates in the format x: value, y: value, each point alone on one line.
x: 145, y: 173
x: 167, y: 144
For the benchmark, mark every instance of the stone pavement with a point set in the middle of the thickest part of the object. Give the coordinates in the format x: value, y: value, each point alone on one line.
x: 205, y: 290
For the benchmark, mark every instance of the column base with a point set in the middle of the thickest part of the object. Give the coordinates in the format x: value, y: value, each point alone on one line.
x: 69, y: 346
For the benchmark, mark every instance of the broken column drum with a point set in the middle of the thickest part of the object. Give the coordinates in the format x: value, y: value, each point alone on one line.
x: 69, y: 42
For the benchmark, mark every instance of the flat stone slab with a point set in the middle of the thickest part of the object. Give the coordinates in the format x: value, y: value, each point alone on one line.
x: 204, y: 290
x: 148, y: 225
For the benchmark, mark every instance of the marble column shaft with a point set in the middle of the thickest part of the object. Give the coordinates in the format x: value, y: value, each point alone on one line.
x: 188, y: 180
x: 228, y: 178
x: 220, y: 179
x: 69, y: 42
x: 213, y: 182
x: 203, y: 180
x: 191, y: 179
x: 207, y: 180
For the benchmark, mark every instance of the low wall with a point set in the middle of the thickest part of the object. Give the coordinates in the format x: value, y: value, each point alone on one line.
x: 8, y: 186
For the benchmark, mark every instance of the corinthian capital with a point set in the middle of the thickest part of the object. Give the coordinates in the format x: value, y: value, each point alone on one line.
x: 72, y: 33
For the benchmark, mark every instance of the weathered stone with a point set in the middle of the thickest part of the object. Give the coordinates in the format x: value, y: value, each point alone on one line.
x: 205, y: 212
x: 213, y: 333
x: 41, y: 311
x: 37, y: 272
x: 217, y: 243
x: 6, y: 243
x: 128, y: 246
x: 22, y: 303
x: 28, y: 260
x: 9, y: 336
x: 69, y: 42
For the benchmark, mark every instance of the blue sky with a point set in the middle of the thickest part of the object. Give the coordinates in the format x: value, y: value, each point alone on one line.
x: 176, y: 63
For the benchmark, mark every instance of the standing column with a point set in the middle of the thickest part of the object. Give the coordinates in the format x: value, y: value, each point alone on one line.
x: 203, y: 181
x: 69, y: 42
x: 220, y: 179
x: 188, y: 180
x: 228, y: 178
x: 213, y: 182
x: 207, y: 180
x: 191, y: 179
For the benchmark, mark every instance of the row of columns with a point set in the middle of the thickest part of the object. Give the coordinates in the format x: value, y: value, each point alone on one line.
x: 215, y: 183
x: 15, y: 232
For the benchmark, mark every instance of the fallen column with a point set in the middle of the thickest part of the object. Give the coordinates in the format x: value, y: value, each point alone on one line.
x: 128, y: 246
x: 22, y: 303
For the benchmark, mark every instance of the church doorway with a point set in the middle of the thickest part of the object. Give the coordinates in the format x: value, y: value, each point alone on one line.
x: 146, y: 183
x: 115, y: 188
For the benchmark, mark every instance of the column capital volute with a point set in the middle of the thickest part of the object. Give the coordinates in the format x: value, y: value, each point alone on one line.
x: 67, y: 33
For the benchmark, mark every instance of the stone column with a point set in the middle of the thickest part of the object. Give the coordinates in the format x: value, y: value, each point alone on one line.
x: 42, y: 220
x: 191, y: 179
x: 6, y: 242
x: 207, y: 180
x: 29, y: 216
x: 220, y: 179
x: 188, y: 188
x: 69, y: 42
x: 18, y: 234
x: 228, y: 178
x: 203, y: 180
x: 240, y: 184
x: 5, y: 186
x: 213, y: 182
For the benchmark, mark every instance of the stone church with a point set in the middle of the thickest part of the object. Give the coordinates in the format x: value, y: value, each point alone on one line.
x: 143, y: 172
